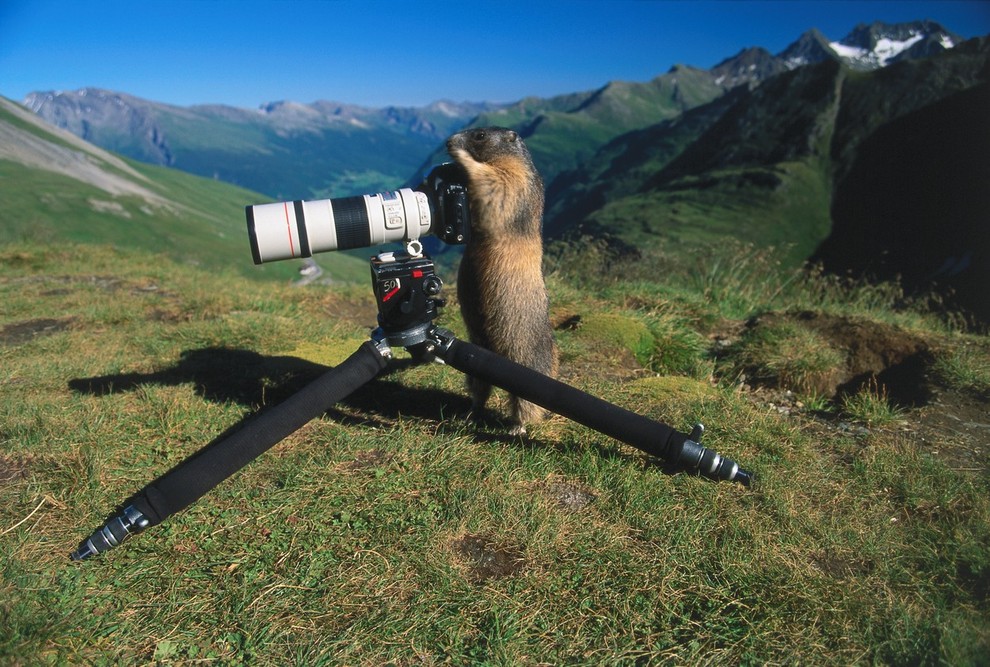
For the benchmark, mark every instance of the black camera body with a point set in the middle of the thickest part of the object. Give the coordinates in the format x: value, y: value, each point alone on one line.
x: 297, y: 229
x: 446, y: 187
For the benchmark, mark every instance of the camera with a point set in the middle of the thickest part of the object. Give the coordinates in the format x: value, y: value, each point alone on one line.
x: 295, y: 229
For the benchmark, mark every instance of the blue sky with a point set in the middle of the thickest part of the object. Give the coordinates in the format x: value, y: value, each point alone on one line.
x: 248, y: 52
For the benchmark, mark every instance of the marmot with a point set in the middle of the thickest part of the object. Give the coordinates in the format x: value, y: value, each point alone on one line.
x: 500, y: 282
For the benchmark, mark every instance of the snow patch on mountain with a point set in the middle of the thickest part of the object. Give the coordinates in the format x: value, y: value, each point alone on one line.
x: 885, y: 50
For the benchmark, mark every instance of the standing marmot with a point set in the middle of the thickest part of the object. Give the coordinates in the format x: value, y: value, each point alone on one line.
x: 500, y: 283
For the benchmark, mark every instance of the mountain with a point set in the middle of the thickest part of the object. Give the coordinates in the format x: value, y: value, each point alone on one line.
x: 810, y: 48
x: 914, y: 202
x: 749, y: 66
x: 880, y: 44
x: 563, y: 131
x: 858, y: 162
x: 765, y: 149
x: 869, y: 47
x: 727, y: 170
x: 59, y: 188
x: 284, y: 149
x: 292, y: 150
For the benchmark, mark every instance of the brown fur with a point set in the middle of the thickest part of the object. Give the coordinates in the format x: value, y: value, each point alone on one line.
x: 500, y: 283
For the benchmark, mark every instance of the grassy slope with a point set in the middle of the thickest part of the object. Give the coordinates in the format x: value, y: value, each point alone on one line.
x: 763, y: 166
x: 202, y: 225
x: 357, y: 539
x: 562, y: 131
x: 729, y: 204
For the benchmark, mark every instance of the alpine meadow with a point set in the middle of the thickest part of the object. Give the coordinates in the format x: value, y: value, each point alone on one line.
x: 791, y: 249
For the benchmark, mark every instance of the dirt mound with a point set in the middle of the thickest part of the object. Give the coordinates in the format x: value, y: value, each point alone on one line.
x: 863, y: 351
x: 950, y: 422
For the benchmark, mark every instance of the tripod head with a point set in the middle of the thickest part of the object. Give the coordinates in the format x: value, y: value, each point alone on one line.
x: 407, y: 290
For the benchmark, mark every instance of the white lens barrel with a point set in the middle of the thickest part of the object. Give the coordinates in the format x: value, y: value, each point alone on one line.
x: 402, y: 215
x: 287, y: 230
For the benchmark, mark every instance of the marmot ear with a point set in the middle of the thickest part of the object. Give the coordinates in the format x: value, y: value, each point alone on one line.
x: 512, y: 135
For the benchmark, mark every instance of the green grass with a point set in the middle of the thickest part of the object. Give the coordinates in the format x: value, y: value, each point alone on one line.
x: 346, y: 543
x: 784, y: 206
x: 795, y: 356
x: 871, y: 405
x: 966, y: 364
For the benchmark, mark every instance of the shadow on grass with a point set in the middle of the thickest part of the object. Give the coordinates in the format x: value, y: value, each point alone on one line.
x: 222, y: 374
x: 227, y: 375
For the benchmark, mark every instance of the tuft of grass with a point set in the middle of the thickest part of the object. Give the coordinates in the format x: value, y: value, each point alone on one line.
x: 965, y: 366
x: 678, y: 348
x: 871, y: 405
x: 787, y: 355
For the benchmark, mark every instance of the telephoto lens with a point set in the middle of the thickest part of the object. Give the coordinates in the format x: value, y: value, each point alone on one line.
x: 294, y: 229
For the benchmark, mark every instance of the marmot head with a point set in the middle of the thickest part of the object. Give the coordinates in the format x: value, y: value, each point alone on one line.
x: 505, y: 190
x: 486, y: 144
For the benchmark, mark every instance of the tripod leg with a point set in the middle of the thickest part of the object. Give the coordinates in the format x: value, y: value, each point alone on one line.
x: 192, y: 478
x: 641, y: 432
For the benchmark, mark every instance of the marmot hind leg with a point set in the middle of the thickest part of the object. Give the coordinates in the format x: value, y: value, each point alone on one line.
x: 479, y: 391
x: 523, y: 412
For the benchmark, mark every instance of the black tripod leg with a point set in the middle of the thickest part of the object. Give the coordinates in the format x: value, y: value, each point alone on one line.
x: 192, y: 478
x: 641, y: 432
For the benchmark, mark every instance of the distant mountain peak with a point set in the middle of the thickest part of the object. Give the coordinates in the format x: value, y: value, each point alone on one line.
x: 881, y: 44
x: 811, y: 47
x: 872, y: 46
x: 751, y: 65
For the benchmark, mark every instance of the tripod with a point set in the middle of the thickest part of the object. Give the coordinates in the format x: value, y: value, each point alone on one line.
x: 407, y: 291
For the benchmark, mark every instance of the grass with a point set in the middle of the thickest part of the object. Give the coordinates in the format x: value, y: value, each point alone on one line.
x: 871, y: 405
x: 696, y: 215
x: 966, y: 364
x: 795, y: 356
x: 393, y: 531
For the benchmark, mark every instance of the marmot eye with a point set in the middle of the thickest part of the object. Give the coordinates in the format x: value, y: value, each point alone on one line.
x: 480, y: 135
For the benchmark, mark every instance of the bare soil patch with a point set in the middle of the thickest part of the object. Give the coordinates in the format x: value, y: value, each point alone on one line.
x: 569, y: 496
x: 486, y: 559
x: 13, y: 469
x: 18, y: 333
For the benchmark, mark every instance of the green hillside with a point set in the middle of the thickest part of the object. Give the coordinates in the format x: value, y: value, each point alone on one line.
x: 54, y: 188
x: 561, y: 132
x: 765, y: 166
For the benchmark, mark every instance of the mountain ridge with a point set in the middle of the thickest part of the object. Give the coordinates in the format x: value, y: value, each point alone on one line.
x: 283, y: 148
x: 753, y: 148
x: 772, y: 165
x: 290, y: 149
